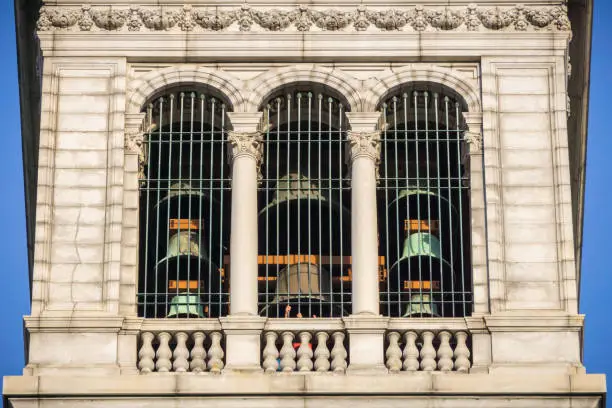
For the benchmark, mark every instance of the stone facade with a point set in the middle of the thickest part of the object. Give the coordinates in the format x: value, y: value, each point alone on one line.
x: 103, y: 61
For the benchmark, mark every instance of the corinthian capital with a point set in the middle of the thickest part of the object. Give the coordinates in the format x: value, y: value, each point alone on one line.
x: 134, y: 140
x: 473, y: 135
x: 474, y: 141
x: 364, y: 144
x: 246, y: 144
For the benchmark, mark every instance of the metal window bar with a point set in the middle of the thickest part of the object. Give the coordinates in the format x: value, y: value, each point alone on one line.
x: 304, y: 208
x: 184, y: 208
x: 423, y: 216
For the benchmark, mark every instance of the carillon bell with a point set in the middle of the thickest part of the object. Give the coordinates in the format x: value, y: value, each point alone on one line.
x: 186, y: 305
x: 420, y: 270
x: 183, y: 201
x: 421, y: 203
x: 305, y: 288
x: 421, y: 305
x: 298, y: 213
x: 187, y: 266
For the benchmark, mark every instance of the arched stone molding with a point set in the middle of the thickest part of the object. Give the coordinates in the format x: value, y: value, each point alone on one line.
x: 142, y: 89
x: 434, y: 74
x: 264, y: 85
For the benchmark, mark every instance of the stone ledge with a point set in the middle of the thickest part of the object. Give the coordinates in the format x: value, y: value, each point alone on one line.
x: 405, y: 384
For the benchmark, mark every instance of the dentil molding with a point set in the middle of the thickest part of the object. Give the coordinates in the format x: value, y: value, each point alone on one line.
x: 304, y: 18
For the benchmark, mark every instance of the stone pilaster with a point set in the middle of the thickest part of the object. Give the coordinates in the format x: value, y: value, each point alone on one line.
x: 473, y: 137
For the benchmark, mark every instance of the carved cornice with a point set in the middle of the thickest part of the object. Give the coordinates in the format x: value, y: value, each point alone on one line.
x: 246, y: 144
x: 303, y: 18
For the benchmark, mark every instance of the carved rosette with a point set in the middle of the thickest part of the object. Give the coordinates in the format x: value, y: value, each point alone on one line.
x: 303, y: 18
x: 247, y: 144
x: 364, y: 144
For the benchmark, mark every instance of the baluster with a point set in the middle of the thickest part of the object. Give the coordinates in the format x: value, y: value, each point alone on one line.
x: 270, y: 353
x: 163, y: 364
x: 198, y: 353
x: 445, y: 352
x: 287, y: 353
x: 462, y: 353
x: 322, y: 353
x: 181, y: 354
x: 146, y: 353
x: 304, y: 352
x: 394, y: 353
x: 338, y: 353
x: 428, y: 352
x: 411, y: 352
x: 215, y: 353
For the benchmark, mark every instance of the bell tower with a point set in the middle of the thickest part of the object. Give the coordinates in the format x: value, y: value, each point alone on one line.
x: 256, y: 204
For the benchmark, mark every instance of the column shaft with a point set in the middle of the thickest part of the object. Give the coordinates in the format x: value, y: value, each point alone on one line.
x: 364, y: 236
x: 243, y: 239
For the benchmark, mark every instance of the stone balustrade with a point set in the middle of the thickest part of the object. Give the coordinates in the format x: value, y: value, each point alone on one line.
x: 304, y: 351
x: 427, y: 350
x: 181, y: 351
x: 304, y: 345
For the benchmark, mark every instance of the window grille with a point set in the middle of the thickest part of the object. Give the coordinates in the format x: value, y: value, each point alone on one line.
x: 423, y: 205
x: 184, y: 208
x: 304, y: 208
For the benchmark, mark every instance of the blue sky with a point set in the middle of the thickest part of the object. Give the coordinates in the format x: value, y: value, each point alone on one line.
x: 596, y: 269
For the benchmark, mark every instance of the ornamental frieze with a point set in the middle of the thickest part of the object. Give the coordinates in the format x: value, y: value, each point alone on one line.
x: 303, y: 18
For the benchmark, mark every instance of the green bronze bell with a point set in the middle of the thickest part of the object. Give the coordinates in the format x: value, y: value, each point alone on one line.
x: 186, y: 304
x: 421, y: 305
x: 421, y: 244
x: 187, y: 261
x: 421, y: 261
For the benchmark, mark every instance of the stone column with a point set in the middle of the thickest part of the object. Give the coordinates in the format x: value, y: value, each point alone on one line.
x: 243, y: 327
x: 365, y: 326
x: 364, y: 156
x: 246, y: 153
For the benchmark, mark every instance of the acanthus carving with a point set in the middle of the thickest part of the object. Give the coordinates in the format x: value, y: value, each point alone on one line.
x: 303, y: 18
x: 134, y: 143
x: 364, y: 144
x: 246, y: 144
x: 474, y: 141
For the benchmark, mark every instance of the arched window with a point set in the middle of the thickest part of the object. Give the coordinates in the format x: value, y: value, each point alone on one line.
x: 184, y: 207
x: 423, y: 204
x: 304, y: 206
